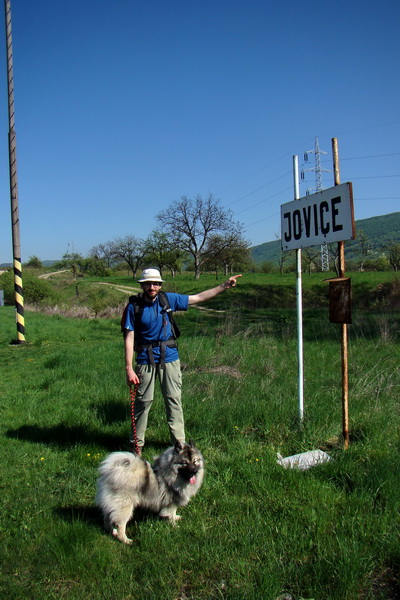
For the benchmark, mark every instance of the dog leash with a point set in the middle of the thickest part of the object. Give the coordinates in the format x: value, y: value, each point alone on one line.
x: 132, y: 393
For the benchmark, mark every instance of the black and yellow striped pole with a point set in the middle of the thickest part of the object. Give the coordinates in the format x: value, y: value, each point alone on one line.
x: 19, y: 296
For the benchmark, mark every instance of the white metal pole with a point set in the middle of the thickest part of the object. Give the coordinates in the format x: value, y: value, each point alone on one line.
x: 299, y: 302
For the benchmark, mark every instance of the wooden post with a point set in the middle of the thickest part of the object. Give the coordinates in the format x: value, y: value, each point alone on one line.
x: 12, y: 149
x: 344, y: 331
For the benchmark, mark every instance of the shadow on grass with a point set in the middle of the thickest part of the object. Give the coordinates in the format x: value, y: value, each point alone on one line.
x: 91, y: 516
x: 88, y: 514
x: 67, y: 436
x: 111, y: 412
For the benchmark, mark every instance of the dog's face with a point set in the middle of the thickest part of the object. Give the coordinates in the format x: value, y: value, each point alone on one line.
x: 188, y: 461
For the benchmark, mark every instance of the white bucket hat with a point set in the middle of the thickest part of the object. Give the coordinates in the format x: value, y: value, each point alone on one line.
x: 150, y: 275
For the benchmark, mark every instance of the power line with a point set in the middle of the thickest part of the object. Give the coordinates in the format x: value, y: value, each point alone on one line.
x: 371, y: 156
x: 265, y: 200
x: 376, y: 176
x: 289, y: 188
x: 288, y: 173
x: 261, y: 220
x: 364, y: 157
x: 386, y: 198
x: 260, y: 188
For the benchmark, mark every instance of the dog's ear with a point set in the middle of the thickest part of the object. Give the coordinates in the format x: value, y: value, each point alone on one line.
x: 178, y: 447
x: 192, y: 444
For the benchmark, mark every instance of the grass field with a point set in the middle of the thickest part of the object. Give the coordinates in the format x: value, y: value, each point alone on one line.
x: 255, y: 530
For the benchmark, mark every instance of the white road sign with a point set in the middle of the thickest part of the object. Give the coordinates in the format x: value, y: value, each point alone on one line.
x: 324, y: 217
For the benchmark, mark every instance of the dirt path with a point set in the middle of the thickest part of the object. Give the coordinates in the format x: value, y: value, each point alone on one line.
x: 47, y: 275
x: 123, y: 288
x: 120, y: 288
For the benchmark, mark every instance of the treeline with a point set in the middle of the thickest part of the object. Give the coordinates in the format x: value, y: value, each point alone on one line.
x: 134, y: 253
x: 365, y: 261
x: 199, y: 235
x: 376, y: 248
x: 194, y: 234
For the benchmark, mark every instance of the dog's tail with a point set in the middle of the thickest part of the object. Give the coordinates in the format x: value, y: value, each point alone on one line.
x: 115, y: 466
x: 117, y: 459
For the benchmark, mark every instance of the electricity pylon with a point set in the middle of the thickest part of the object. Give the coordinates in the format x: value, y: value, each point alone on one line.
x: 318, y: 187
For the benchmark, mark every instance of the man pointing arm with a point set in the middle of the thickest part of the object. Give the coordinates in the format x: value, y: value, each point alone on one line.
x: 148, y: 332
x: 208, y: 294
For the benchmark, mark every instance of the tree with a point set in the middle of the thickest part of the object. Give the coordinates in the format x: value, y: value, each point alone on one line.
x: 333, y: 250
x: 394, y: 256
x: 283, y: 256
x: 228, y: 253
x: 309, y: 257
x: 72, y: 261
x: 102, y: 252
x: 161, y: 252
x: 190, y: 224
x: 34, y: 262
x: 95, y: 266
x: 364, y: 247
x: 131, y: 250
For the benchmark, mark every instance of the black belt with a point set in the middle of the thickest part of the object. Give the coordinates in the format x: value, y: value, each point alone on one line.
x: 171, y: 343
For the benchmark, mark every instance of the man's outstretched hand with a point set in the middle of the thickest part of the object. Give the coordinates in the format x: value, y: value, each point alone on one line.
x: 232, y: 281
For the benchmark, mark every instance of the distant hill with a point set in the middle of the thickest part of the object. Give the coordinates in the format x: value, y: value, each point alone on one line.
x: 379, y: 233
x: 45, y: 263
x: 267, y: 252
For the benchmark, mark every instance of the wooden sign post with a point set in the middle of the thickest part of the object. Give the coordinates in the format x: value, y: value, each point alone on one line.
x: 344, y: 331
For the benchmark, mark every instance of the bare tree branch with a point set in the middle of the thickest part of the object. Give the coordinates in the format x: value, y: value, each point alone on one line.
x: 191, y: 223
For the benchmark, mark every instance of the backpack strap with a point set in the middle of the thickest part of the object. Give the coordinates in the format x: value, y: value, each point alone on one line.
x: 137, y: 302
x: 164, y: 303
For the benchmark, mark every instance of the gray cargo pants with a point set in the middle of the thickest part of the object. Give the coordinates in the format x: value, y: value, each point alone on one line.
x: 170, y: 378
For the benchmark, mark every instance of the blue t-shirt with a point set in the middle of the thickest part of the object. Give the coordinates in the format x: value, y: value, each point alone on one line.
x: 155, y: 325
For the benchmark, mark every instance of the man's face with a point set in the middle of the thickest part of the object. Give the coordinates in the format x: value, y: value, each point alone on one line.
x: 151, y: 289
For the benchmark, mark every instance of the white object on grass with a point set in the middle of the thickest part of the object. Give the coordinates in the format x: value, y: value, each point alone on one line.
x: 305, y: 460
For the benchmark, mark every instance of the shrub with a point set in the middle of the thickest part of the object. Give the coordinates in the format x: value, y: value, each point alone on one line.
x: 34, y: 262
x: 267, y: 267
x: 35, y: 290
x: 99, y: 300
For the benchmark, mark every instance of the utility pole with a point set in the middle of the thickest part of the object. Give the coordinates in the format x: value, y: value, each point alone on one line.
x: 12, y: 144
x: 344, y: 329
x: 318, y: 187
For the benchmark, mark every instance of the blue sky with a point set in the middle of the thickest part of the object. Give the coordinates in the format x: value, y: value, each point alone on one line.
x: 123, y: 107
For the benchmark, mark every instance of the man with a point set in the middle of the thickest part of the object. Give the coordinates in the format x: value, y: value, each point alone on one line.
x: 156, y: 352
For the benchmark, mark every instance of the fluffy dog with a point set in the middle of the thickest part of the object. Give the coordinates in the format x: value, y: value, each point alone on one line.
x: 127, y: 482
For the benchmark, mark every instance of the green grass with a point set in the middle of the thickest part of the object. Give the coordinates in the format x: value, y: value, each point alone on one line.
x: 370, y: 290
x: 255, y: 530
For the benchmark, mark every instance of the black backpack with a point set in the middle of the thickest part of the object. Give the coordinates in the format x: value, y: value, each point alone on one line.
x: 138, y: 303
